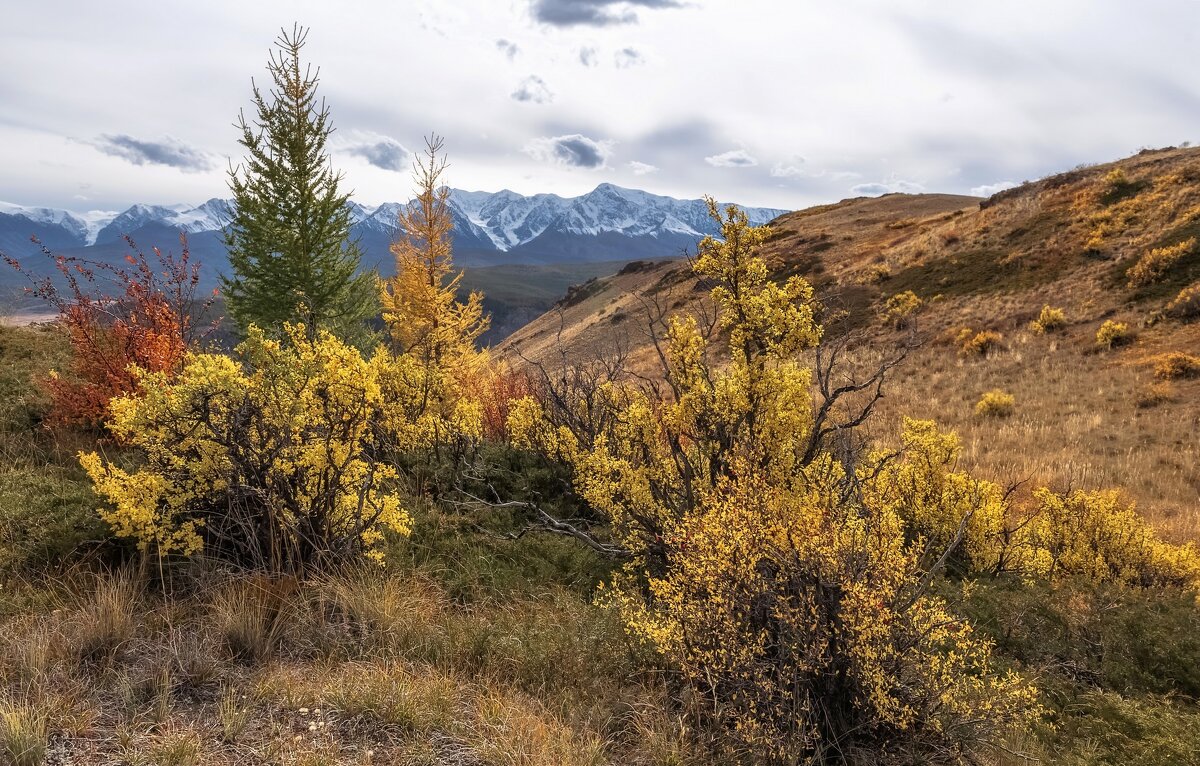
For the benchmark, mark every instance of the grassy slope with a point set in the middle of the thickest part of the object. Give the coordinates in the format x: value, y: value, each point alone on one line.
x: 466, y: 649
x: 1082, y: 418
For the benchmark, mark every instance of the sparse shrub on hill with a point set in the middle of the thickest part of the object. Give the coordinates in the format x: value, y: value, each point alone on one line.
x: 899, y: 309
x: 1176, y: 365
x: 1112, y: 334
x: 972, y: 343
x: 1049, y: 320
x: 996, y: 404
x: 1186, y: 305
x: 143, y: 314
x: 266, y: 461
x: 791, y: 597
x: 1157, y: 263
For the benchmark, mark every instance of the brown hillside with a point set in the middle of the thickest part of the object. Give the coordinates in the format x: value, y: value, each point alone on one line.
x: 1083, y: 417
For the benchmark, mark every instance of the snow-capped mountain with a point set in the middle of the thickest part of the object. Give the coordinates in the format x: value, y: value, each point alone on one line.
x: 609, y: 223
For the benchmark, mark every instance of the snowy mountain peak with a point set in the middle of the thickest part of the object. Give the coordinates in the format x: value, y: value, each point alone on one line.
x: 483, y: 221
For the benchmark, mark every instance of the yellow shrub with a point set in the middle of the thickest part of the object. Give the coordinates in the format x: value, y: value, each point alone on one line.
x: 924, y: 489
x: 1049, y: 320
x: 971, y: 343
x: 1186, y: 305
x: 1176, y: 364
x: 899, y: 308
x: 1113, y: 334
x: 1095, y: 535
x: 1154, y: 265
x: 793, y: 597
x: 996, y: 404
x: 266, y: 461
x: 794, y: 610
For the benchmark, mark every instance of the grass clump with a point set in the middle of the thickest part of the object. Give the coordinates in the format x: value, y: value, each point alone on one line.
x: 24, y: 734
x: 1112, y: 334
x: 996, y: 404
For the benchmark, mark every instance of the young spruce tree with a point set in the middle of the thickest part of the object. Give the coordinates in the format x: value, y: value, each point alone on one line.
x: 289, y: 244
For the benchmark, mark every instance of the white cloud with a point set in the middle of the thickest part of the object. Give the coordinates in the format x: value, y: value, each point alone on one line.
x: 642, y: 168
x: 886, y: 187
x: 737, y: 158
x: 793, y: 169
x: 987, y: 190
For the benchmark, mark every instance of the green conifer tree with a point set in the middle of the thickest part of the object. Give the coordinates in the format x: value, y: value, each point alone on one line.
x: 290, y: 251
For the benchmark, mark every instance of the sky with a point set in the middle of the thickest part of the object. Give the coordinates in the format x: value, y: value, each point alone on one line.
x: 779, y: 103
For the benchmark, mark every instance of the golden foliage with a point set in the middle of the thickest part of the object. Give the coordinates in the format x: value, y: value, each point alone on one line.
x: 432, y: 359
x: 267, y: 457
x: 1112, y: 334
x: 996, y: 404
x: 1155, y: 264
x: 1048, y: 320
x: 763, y: 570
x: 1176, y: 364
x: 1186, y: 305
x: 899, y: 308
x: 1097, y: 536
x: 971, y: 343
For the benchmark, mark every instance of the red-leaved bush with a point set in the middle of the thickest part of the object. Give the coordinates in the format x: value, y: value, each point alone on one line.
x: 142, y: 314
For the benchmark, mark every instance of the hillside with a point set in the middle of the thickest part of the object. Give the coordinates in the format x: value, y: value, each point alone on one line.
x: 1083, y: 416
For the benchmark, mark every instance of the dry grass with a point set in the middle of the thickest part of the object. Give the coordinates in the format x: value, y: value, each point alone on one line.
x: 363, y: 668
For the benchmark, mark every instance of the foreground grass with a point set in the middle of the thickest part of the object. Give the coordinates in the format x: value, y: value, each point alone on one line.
x: 366, y: 667
x: 466, y: 649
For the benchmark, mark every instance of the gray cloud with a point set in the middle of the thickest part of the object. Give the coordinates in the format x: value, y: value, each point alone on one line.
x: 170, y: 152
x: 642, y: 168
x: 886, y: 187
x: 588, y: 56
x: 736, y: 158
x: 533, y: 89
x: 595, y: 13
x: 627, y: 57
x: 574, y: 150
x: 508, y: 48
x: 384, y: 153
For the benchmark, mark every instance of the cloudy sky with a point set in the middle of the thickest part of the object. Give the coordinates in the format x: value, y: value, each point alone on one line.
x: 763, y: 102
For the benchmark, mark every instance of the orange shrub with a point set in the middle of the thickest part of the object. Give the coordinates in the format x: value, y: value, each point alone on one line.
x: 497, y: 389
x: 1154, y: 265
x: 116, y: 318
x: 1186, y: 305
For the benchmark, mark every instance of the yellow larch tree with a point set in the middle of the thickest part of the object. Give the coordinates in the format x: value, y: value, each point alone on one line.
x: 432, y: 362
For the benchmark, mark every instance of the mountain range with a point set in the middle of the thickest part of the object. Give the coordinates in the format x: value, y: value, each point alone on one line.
x: 609, y: 223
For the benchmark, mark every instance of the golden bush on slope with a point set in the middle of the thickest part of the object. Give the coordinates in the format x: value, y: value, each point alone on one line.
x: 789, y: 594
x: 1186, y: 305
x: 1155, y: 264
x: 1048, y: 320
x: 996, y: 404
x: 1112, y: 334
x: 971, y: 343
x: 269, y: 458
x: 899, y: 308
x: 1176, y: 364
